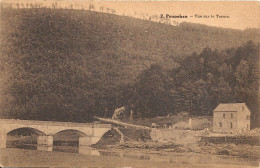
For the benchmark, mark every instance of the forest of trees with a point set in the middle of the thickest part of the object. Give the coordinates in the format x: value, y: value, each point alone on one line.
x: 197, y: 86
x: 200, y: 83
x: 58, y: 65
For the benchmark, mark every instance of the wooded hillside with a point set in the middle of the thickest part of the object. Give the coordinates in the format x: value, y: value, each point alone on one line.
x: 60, y: 64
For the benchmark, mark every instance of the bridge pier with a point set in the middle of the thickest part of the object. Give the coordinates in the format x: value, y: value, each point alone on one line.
x: 45, y: 142
x: 85, y: 141
x: 89, y: 140
x: 3, y: 139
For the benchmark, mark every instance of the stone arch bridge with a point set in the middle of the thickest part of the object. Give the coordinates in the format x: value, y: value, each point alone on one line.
x: 92, y: 131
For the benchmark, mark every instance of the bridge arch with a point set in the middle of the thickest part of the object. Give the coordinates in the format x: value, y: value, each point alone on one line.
x: 82, y: 133
x: 93, y: 132
x: 37, y: 131
x: 11, y: 128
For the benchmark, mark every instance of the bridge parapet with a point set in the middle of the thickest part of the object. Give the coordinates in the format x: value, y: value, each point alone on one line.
x: 93, y: 131
x: 52, y: 123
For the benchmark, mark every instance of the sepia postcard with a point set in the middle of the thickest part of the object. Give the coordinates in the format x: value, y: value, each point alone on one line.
x: 129, y: 84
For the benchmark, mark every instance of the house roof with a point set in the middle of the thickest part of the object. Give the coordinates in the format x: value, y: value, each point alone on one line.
x: 230, y: 107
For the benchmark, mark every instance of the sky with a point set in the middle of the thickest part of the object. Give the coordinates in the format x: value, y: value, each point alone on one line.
x: 241, y: 14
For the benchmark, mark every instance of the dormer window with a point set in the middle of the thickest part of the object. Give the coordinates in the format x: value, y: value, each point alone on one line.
x: 231, y: 115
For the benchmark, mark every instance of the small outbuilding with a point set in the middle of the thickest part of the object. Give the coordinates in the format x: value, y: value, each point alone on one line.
x: 231, y: 118
x: 154, y: 125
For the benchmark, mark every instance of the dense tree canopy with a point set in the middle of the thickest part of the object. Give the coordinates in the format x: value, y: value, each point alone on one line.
x: 201, y: 83
x: 69, y: 65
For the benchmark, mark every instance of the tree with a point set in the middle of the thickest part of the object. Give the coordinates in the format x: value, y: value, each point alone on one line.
x: 151, y: 91
x: 242, y: 73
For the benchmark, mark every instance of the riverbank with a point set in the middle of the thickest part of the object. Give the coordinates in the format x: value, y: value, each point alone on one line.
x: 208, y: 148
x: 241, y: 150
x: 181, y: 141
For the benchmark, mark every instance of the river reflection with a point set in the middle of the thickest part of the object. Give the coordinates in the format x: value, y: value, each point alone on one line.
x: 170, y: 157
x: 44, y: 148
x: 118, y: 153
x: 88, y: 151
x: 149, y: 155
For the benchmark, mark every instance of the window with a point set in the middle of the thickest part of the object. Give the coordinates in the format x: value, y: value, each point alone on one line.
x: 231, y: 125
x: 224, y: 115
x: 231, y: 115
x: 220, y: 124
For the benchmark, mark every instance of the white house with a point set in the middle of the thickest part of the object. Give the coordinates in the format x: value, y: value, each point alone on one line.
x: 231, y: 118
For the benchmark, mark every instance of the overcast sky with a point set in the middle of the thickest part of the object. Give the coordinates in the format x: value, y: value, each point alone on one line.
x: 241, y: 14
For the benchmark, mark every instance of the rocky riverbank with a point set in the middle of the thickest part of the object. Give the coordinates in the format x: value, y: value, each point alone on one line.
x: 200, y: 148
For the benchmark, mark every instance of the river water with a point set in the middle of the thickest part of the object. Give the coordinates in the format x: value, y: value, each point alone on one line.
x: 158, y: 156
x: 150, y: 155
x: 171, y: 157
